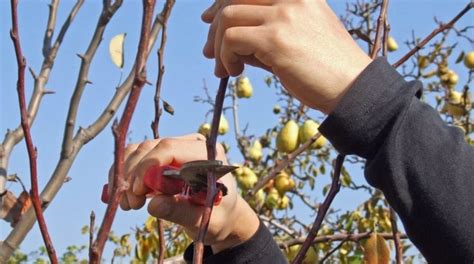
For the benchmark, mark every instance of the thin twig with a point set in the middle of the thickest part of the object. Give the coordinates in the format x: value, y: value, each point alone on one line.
x: 48, y: 34
x: 91, y: 229
x: 161, y: 241
x: 211, y: 177
x: 380, y: 29
x: 32, y: 152
x: 355, y: 237
x: 161, y: 67
x: 435, y: 32
x: 323, y: 209
x: 120, y: 130
x: 396, y: 237
x: 333, y: 250
x: 282, y: 164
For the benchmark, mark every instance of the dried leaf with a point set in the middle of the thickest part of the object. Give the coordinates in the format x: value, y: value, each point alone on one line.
x: 168, y: 108
x: 13, y: 208
x: 376, y: 250
x: 116, y: 47
x: 360, y: 35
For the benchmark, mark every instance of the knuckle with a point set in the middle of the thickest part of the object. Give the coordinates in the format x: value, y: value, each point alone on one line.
x: 144, y: 146
x: 220, y: 149
x: 166, y: 143
x: 227, y: 13
x: 230, y: 36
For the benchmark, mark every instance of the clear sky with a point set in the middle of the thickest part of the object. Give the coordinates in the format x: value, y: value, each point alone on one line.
x: 186, y: 69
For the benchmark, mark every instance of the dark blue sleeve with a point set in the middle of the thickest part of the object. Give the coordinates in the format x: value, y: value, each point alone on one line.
x: 259, y: 249
x: 424, y: 167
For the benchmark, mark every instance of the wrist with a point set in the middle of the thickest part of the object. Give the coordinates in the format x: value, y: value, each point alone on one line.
x: 245, y: 224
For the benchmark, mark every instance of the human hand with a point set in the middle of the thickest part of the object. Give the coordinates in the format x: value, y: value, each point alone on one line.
x: 232, y: 222
x: 300, y: 41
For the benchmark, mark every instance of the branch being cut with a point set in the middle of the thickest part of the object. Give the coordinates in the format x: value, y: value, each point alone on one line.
x: 211, y: 177
x: 282, y: 164
x: 32, y: 153
x: 435, y: 32
x: 323, y: 209
x: 120, y: 131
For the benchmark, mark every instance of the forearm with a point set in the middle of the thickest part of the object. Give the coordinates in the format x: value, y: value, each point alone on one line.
x: 424, y: 167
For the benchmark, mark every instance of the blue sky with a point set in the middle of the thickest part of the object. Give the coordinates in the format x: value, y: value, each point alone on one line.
x: 186, y: 69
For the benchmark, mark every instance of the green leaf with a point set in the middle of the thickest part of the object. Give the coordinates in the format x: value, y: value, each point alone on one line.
x: 460, y: 57
x: 376, y: 250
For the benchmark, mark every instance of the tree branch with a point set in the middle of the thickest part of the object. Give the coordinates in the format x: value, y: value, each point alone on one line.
x: 32, y: 152
x: 82, y: 137
x: 211, y: 177
x: 335, y: 186
x: 282, y: 164
x: 48, y: 34
x: 163, y: 18
x: 355, y: 237
x: 120, y: 131
x: 14, y: 137
x: 380, y: 29
x: 435, y: 32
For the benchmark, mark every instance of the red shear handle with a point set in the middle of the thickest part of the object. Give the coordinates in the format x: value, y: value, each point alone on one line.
x: 156, y: 182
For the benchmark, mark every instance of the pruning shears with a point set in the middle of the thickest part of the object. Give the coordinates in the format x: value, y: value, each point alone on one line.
x: 190, y: 180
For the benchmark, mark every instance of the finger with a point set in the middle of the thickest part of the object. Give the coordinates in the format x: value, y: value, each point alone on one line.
x: 136, y: 201
x: 240, y: 46
x: 171, y: 151
x: 236, y: 16
x: 209, y: 14
x: 176, y: 209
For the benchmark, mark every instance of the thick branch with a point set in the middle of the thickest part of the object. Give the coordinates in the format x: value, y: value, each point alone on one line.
x: 32, y: 154
x: 282, y: 164
x: 435, y: 32
x: 323, y: 209
x: 380, y: 29
x: 211, y: 177
x: 120, y: 131
x: 82, y: 79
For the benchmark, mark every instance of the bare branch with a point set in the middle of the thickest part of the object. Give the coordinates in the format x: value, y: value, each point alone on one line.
x: 120, y: 131
x: 435, y: 32
x: 335, y: 186
x: 396, y: 237
x: 337, y: 237
x: 48, y: 34
x: 211, y: 177
x: 380, y: 29
x: 32, y: 152
x: 163, y: 18
x: 27, y: 220
x: 14, y: 137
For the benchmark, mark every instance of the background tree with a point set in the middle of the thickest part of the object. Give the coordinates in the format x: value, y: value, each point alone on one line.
x: 284, y: 168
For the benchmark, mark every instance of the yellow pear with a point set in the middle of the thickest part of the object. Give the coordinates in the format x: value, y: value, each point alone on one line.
x: 455, y: 105
x: 272, y: 199
x: 258, y: 199
x: 205, y: 129
x: 223, y: 125
x: 244, y: 87
x: 423, y: 62
x: 283, y: 203
x: 287, y: 138
x: 469, y: 60
x: 255, y: 152
x: 310, y: 258
x: 392, y: 44
x: 283, y: 183
x: 247, y: 178
x: 307, y: 130
x: 116, y: 47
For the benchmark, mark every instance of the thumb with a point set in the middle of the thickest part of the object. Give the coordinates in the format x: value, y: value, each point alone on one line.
x: 176, y: 209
